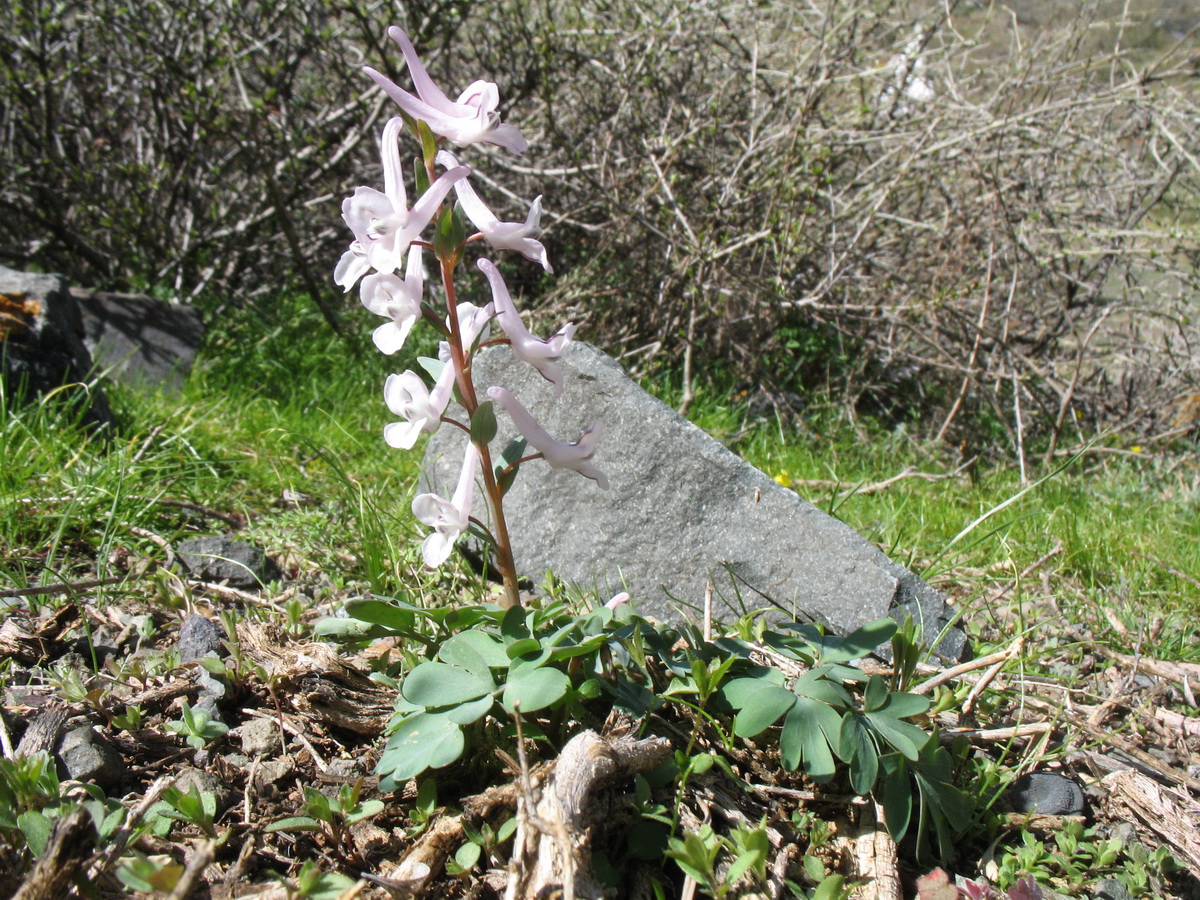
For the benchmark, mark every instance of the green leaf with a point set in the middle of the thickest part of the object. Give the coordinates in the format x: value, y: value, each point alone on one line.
x: 466, y: 650
x: 513, y: 451
x: 423, y: 741
x: 450, y: 235
x: 905, y: 705
x: 858, y: 749
x: 897, y: 802
x: 813, y: 684
x: 36, y: 827
x: 467, y: 856
x: 513, y: 626
x: 471, y: 711
x: 428, y: 144
x: 520, y: 647
x: 295, y: 823
x: 432, y: 366
x: 805, y: 742
x: 535, y: 689
x: 761, y: 709
x: 365, y: 810
x: 830, y: 888
x: 864, y: 640
x: 490, y: 647
x: 738, y: 691
x: 420, y: 174
x: 377, y: 612
x: 904, y: 736
x: 875, y: 695
x: 483, y: 424
x: 433, y: 684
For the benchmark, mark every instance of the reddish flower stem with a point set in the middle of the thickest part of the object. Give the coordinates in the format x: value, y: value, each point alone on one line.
x: 459, y: 358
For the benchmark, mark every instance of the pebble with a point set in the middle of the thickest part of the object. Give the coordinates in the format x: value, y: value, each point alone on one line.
x: 1045, y: 793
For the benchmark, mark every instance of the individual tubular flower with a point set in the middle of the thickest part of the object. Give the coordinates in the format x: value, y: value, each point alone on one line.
x: 449, y: 518
x: 471, y: 119
x: 559, y: 455
x: 421, y: 408
x: 382, y: 223
x: 518, y: 236
x: 398, y: 300
x: 543, y: 355
x: 473, y: 322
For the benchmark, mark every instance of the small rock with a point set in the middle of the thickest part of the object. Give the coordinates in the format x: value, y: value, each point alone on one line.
x: 347, y: 768
x: 88, y: 757
x: 205, y: 783
x: 270, y: 771
x: 1045, y: 793
x: 260, y: 737
x: 1111, y: 889
x: 199, y: 637
x: 237, y: 563
x: 1125, y: 832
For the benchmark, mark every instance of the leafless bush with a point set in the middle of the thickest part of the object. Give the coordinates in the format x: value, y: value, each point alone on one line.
x: 988, y: 231
x: 1010, y: 257
x: 192, y: 147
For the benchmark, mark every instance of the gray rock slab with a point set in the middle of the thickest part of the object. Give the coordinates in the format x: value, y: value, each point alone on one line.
x: 139, y: 341
x: 682, y: 510
x: 235, y: 562
x: 41, y: 342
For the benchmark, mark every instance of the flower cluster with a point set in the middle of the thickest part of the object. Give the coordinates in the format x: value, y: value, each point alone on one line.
x: 389, y: 237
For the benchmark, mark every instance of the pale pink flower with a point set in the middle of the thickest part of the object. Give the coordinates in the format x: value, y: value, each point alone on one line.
x: 382, y: 222
x: 559, y: 455
x: 421, y: 408
x: 451, y: 518
x: 543, y: 355
x: 398, y: 300
x: 474, y: 322
x: 518, y: 236
x: 471, y: 119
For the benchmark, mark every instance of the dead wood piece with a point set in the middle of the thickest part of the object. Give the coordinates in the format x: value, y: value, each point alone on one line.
x: 875, y: 857
x: 34, y: 647
x: 1161, y: 810
x: 43, y: 732
x: 70, y: 846
x: 198, y: 860
x: 1189, y: 725
x: 550, y: 849
x: 425, y: 861
x: 317, y: 681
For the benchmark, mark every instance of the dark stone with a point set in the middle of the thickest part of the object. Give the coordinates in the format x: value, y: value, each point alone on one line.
x: 41, y: 342
x: 138, y: 341
x: 1045, y: 793
x: 237, y: 563
x: 198, y: 637
x: 88, y: 757
x: 1111, y: 889
x: 682, y: 509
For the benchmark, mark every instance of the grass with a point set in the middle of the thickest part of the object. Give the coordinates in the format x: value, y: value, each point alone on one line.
x: 1102, y: 546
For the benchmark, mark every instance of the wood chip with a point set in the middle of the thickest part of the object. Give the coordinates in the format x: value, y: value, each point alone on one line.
x: 1162, y: 810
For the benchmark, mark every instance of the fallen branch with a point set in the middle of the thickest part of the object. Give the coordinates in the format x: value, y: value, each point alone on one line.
x: 552, y: 837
